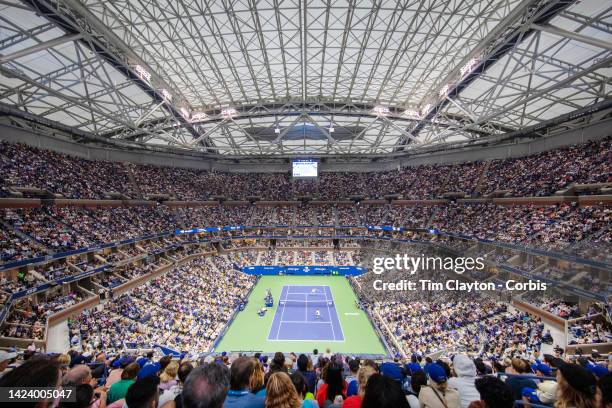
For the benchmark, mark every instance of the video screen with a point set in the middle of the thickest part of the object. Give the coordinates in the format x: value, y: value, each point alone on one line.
x: 305, y: 168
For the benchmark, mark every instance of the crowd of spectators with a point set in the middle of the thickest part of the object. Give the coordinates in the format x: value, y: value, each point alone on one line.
x: 103, y: 378
x: 28, y: 319
x: 563, y: 227
x: 186, y: 308
x: 535, y: 175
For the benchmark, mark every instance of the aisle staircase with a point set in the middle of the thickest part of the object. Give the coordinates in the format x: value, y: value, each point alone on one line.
x: 482, y: 178
x: 132, y: 179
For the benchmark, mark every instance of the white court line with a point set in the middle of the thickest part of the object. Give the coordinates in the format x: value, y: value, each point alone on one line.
x: 334, y: 303
x: 330, y: 322
x: 280, y: 323
x: 306, y: 308
x: 329, y: 314
x: 306, y: 322
x: 317, y: 341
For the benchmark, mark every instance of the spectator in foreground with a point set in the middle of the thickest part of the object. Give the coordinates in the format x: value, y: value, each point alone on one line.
x: 363, y: 375
x: 206, y: 387
x: 383, y: 392
x: 494, y: 393
x: 167, y: 379
x: 239, y: 395
x: 352, y: 379
x: 604, y: 392
x: 144, y: 393
x: 417, y: 380
x: 36, y: 372
x: 576, y: 386
x: 173, y: 396
x: 119, y: 389
x: 464, y: 382
x: 257, y: 384
x: 334, y: 387
x: 437, y: 394
x: 306, y: 397
x: 280, y: 392
x: 520, y: 368
x: 309, y: 376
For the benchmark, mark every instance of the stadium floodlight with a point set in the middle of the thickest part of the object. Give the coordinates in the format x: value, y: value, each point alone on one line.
x: 444, y: 90
x: 198, y: 116
x: 469, y: 67
x: 228, y: 112
x: 425, y: 110
x: 381, y: 110
x: 277, y: 130
x: 166, y: 94
x: 142, y: 73
x: 411, y: 113
x: 331, y: 128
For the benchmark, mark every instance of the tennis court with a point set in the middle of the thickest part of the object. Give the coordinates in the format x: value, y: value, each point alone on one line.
x: 306, y: 312
x: 249, y: 332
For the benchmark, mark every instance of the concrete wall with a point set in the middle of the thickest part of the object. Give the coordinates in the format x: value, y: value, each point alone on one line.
x: 514, y: 149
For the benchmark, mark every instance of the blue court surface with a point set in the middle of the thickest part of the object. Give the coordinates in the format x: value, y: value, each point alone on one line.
x: 306, y: 313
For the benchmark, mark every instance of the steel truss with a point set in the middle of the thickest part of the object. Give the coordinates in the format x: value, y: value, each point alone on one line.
x: 237, y: 78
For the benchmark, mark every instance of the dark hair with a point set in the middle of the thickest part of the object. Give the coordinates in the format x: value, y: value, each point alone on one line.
x: 605, y: 386
x: 142, y: 392
x: 206, y: 386
x: 494, y: 392
x: 445, y: 366
x: 383, y: 392
x: 481, y: 367
x: 83, y: 393
x: 241, y: 372
x: 354, y: 365
x: 499, y: 367
x: 299, y: 383
x: 163, y: 363
x: 278, y: 362
x: 130, y: 372
x: 184, y: 370
x: 36, y: 372
x: 302, y: 362
x: 334, y: 381
x: 417, y: 380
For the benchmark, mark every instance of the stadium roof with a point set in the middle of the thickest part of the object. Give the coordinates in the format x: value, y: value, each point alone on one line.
x: 301, y: 77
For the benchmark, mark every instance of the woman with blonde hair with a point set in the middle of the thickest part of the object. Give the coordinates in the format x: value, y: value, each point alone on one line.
x: 281, y: 393
x: 257, y: 382
x: 167, y: 379
x: 64, y: 361
x: 363, y: 375
x: 576, y: 386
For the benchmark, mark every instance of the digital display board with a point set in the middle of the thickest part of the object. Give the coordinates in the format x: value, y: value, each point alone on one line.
x: 305, y: 168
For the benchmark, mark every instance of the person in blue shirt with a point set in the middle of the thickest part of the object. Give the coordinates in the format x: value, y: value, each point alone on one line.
x: 414, y: 365
x: 393, y: 370
x: 309, y: 376
x: 239, y: 394
x: 351, y: 379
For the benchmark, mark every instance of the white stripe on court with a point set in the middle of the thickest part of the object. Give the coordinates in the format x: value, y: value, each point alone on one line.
x: 280, y: 323
x: 338, y: 317
x: 329, y: 313
x: 306, y: 321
